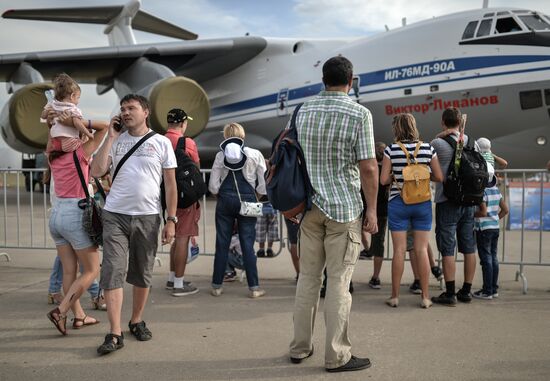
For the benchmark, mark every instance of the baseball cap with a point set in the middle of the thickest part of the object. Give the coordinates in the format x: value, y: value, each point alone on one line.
x: 177, y: 115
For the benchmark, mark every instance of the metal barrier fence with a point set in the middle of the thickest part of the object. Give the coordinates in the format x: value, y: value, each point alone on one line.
x: 25, y: 213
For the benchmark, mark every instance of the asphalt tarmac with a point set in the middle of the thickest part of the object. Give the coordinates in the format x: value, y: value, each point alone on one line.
x: 232, y: 337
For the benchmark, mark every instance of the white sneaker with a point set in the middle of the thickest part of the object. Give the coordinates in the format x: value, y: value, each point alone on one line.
x: 216, y: 291
x: 256, y: 293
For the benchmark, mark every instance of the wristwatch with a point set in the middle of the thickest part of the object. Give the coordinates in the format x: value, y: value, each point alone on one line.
x: 174, y: 219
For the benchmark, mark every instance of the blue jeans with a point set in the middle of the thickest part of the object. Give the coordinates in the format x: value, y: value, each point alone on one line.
x: 487, y: 242
x: 56, y: 280
x: 227, y: 211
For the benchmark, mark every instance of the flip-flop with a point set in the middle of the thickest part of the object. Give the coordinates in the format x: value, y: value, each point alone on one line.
x: 58, y: 320
x: 83, y: 321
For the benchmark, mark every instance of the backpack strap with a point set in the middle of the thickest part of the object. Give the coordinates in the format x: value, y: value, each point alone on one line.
x: 130, y: 152
x: 406, y: 151
x: 181, y: 143
x: 451, y: 141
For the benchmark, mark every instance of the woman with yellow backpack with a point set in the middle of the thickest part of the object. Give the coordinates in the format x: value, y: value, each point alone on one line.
x: 408, y: 165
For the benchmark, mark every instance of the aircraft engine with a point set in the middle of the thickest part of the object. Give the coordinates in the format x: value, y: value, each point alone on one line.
x: 20, y: 118
x: 178, y: 92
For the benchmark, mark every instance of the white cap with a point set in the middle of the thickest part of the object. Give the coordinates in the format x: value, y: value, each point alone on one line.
x: 233, y: 153
x: 484, y: 145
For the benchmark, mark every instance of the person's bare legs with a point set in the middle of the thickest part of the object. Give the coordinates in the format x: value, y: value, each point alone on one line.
x: 414, y: 266
x: 181, y: 249
x: 421, y: 259
x: 74, y: 286
x: 449, y: 268
x: 399, y: 239
x: 113, y: 299
x: 140, y: 299
x: 377, y: 266
x: 469, y: 267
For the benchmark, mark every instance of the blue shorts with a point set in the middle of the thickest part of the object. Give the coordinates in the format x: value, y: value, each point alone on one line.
x: 454, y: 223
x: 401, y: 215
x: 66, y: 224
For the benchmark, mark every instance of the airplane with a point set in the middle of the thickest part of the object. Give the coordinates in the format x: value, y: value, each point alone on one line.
x: 493, y: 63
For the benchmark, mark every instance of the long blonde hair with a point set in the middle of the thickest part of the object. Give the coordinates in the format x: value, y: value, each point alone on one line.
x: 404, y: 128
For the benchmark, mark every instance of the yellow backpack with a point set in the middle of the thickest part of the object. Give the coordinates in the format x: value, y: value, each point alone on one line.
x: 416, y: 179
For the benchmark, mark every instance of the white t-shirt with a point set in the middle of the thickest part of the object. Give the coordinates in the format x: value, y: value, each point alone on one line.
x: 136, y: 189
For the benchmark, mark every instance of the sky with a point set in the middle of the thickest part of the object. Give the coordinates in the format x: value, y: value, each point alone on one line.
x: 228, y: 18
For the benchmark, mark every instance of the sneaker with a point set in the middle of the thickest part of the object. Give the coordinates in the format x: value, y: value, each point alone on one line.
x: 445, y: 299
x: 464, y: 297
x: 257, y: 293
x: 140, y: 331
x: 374, y: 283
x: 415, y: 288
x: 495, y: 295
x: 482, y: 295
x: 436, y: 272
x: 297, y: 360
x: 364, y: 254
x: 187, y: 289
x: 230, y: 276
x: 169, y: 285
x: 269, y: 253
x: 216, y: 291
x: 260, y: 253
x: 354, y: 363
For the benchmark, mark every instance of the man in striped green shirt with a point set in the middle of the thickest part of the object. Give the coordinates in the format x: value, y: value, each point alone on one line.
x: 336, y: 135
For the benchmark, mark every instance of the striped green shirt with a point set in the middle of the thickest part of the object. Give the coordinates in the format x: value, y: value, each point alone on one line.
x: 335, y: 132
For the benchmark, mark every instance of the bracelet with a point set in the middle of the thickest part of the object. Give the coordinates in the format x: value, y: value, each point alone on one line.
x: 89, y: 124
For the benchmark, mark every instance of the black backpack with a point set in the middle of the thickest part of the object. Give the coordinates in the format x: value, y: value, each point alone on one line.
x: 287, y: 181
x: 191, y: 186
x: 466, y: 186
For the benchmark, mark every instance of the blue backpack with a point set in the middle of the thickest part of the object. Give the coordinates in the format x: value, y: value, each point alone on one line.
x: 288, y: 187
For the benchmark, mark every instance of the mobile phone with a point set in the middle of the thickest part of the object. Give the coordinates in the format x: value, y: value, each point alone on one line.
x: 119, y: 126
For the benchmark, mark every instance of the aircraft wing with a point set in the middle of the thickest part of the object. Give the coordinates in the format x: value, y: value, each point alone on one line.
x: 196, y: 59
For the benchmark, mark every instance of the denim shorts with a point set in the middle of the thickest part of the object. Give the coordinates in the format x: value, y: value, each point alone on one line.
x: 66, y: 224
x: 454, y: 223
x: 401, y: 215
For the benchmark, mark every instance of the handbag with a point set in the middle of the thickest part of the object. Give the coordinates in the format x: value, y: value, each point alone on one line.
x: 248, y: 209
x: 416, y: 179
x: 91, y: 217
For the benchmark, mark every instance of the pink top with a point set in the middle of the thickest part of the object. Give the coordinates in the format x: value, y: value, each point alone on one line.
x: 65, y: 176
x: 190, y: 145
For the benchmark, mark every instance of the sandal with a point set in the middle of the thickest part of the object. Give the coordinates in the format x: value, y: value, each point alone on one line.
x: 140, y: 331
x: 80, y: 323
x: 109, y: 345
x: 59, y: 320
x: 55, y: 298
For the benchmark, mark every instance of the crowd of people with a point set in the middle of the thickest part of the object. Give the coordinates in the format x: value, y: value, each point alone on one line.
x: 359, y: 189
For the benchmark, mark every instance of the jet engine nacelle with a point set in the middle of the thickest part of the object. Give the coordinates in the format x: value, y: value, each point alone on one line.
x: 20, y: 118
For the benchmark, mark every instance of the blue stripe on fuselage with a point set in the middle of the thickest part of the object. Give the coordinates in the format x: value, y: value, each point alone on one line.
x: 389, y: 75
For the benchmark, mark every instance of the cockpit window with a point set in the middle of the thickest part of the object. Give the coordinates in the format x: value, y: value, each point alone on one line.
x: 503, y: 13
x: 489, y: 14
x: 470, y: 30
x: 484, y: 28
x: 507, y: 25
x: 534, y: 22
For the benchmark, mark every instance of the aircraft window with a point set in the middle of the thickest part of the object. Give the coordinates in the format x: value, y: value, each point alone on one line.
x: 520, y: 11
x: 470, y: 30
x: 503, y: 13
x: 484, y: 28
x: 530, y: 99
x: 507, y: 25
x: 547, y: 96
x: 408, y: 91
x: 534, y: 22
x: 489, y: 14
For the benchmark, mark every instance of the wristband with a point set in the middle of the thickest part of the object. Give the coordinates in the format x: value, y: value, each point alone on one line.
x: 89, y: 124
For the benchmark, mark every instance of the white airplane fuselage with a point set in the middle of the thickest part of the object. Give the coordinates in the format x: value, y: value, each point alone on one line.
x: 420, y: 69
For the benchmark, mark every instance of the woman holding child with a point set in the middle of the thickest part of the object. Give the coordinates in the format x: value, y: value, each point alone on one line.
x: 73, y: 244
x: 408, y: 148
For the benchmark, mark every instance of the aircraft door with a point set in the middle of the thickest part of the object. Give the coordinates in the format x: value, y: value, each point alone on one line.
x: 282, y: 102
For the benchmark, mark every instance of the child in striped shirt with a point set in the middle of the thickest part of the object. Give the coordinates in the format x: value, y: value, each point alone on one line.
x: 487, y: 218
